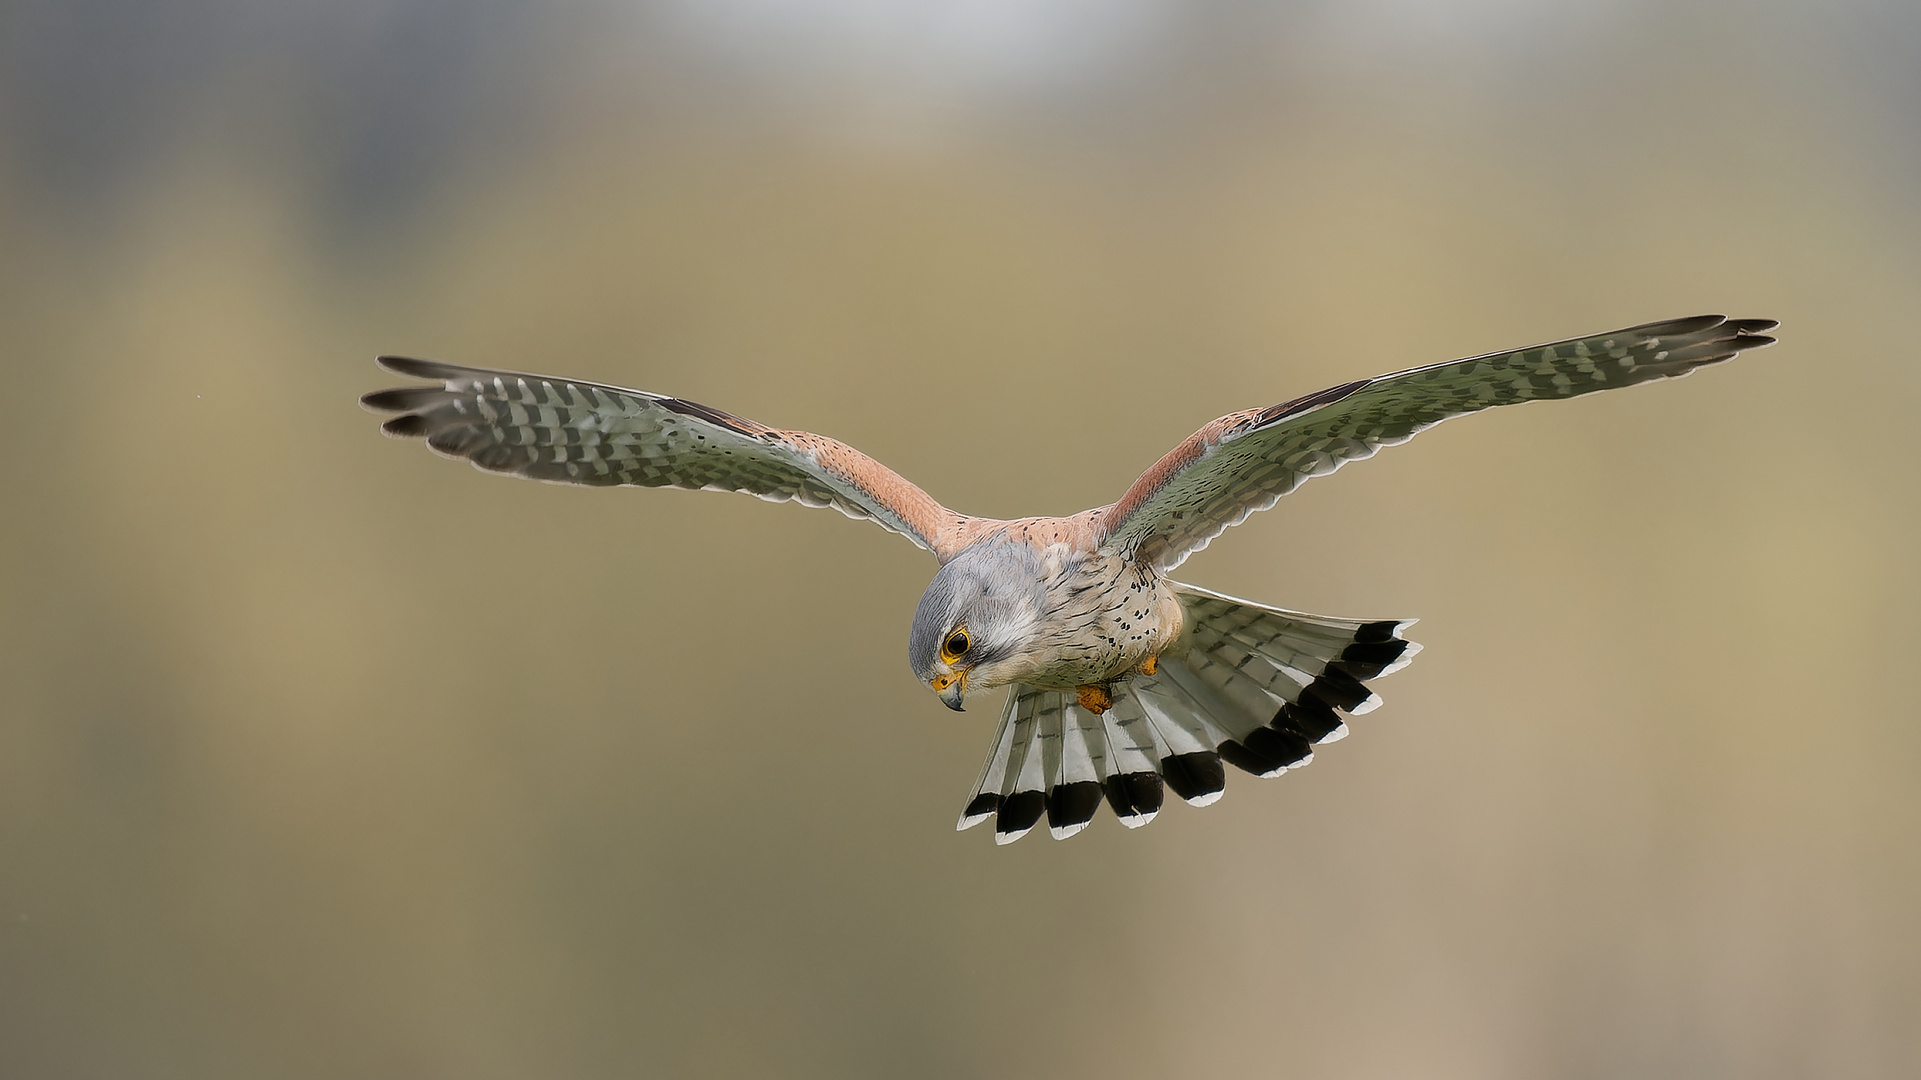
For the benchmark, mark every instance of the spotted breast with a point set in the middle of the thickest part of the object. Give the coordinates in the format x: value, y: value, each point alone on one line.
x: 1105, y: 617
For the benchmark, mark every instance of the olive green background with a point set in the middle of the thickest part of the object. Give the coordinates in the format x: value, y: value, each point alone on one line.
x: 323, y: 757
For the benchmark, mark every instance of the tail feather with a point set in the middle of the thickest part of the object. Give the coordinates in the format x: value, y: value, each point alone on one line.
x: 1239, y: 694
x: 987, y: 790
x: 1240, y: 703
x: 1254, y: 686
x: 1009, y: 788
x: 1131, y: 778
x: 1186, y: 742
x: 1314, y: 721
x: 1053, y: 758
x: 1074, y: 791
x: 1023, y: 796
x: 1226, y: 715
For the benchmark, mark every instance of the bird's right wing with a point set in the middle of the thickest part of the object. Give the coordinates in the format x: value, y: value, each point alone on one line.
x: 566, y: 431
x: 1243, y: 462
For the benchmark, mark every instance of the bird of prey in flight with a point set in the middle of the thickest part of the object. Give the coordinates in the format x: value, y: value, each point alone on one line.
x: 1122, y: 682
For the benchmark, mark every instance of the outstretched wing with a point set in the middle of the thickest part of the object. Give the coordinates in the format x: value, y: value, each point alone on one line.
x: 570, y: 432
x: 1245, y: 461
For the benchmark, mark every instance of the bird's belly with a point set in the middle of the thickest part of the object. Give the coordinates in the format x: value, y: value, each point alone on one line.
x: 1107, y: 620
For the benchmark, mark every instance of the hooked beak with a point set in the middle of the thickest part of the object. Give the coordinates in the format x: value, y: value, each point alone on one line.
x: 951, y: 688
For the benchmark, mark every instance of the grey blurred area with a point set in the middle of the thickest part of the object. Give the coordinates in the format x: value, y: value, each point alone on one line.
x: 323, y: 757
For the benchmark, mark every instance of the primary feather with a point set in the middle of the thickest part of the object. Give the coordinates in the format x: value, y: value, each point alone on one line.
x: 568, y: 431
x: 1243, y: 462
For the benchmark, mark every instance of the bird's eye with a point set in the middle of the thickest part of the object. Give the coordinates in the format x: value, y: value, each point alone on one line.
x: 955, y: 646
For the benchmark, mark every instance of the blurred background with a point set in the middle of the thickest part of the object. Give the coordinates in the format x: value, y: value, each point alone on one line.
x: 323, y: 757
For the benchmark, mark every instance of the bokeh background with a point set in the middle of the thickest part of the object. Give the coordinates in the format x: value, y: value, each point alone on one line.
x: 323, y: 757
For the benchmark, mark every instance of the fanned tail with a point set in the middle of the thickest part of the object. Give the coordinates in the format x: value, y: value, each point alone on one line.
x: 1189, y: 763
x: 1074, y: 781
x: 986, y: 798
x: 1254, y: 686
x: 1132, y: 779
x: 1012, y: 784
x: 1050, y: 757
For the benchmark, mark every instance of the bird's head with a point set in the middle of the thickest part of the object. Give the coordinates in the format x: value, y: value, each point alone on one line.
x: 975, y: 620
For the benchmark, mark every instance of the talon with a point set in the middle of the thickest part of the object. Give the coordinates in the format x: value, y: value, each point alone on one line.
x: 1095, y: 699
x: 1150, y: 665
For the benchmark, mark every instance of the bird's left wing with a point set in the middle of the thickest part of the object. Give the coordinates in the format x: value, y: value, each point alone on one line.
x: 1245, y: 461
x: 566, y: 431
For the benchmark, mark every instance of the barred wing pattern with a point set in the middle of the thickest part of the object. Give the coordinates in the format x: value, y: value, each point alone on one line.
x: 1257, y: 688
x: 571, y: 432
x: 1244, y: 462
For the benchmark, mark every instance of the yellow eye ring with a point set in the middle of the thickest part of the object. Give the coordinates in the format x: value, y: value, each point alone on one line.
x: 955, y: 646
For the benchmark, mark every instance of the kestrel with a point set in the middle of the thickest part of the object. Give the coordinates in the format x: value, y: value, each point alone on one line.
x: 1121, y: 680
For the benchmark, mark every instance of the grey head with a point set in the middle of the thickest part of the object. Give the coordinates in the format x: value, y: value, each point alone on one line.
x: 976, y: 618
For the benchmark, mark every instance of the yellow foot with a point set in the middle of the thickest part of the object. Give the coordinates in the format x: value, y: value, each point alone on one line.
x: 1095, y: 699
x: 1150, y: 665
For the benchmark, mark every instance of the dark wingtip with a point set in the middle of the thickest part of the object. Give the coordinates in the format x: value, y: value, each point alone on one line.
x: 1693, y: 324
x: 411, y: 426
x: 419, y: 369
x: 403, y: 398
x: 1747, y: 333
